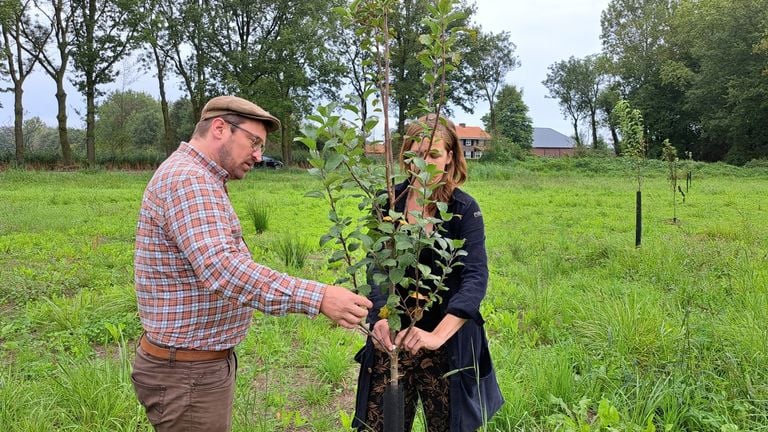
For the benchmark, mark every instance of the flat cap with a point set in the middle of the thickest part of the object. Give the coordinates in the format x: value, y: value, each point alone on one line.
x: 223, y: 105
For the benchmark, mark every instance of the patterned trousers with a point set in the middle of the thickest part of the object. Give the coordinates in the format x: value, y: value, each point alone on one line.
x: 422, y: 378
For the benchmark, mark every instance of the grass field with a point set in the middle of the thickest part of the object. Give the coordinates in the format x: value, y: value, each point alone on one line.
x: 587, y: 331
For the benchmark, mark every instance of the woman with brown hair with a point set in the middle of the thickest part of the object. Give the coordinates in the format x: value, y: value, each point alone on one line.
x: 450, y: 336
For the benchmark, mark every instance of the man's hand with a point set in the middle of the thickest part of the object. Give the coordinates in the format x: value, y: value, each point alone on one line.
x: 381, y: 336
x: 344, y: 307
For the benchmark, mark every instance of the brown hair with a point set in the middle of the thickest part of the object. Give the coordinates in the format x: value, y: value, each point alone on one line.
x: 202, y: 127
x: 456, y: 170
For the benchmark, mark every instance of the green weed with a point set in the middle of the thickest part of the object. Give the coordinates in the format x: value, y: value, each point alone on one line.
x: 674, y: 332
x: 259, y: 215
x: 292, y: 251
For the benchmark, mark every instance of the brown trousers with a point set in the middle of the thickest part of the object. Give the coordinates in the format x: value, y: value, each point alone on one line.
x: 186, y: 396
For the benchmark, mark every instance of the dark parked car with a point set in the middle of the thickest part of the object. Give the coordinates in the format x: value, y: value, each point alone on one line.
x: 268, y: 162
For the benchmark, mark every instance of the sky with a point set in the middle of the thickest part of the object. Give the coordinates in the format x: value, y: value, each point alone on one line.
x: 544, y: 31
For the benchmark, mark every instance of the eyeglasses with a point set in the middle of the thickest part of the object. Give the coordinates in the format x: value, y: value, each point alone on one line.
x: 256, y: 142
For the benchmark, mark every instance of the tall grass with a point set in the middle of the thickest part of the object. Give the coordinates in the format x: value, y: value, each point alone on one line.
x: 259, y: 216
x: 292, y: 250
x: 673, y: 332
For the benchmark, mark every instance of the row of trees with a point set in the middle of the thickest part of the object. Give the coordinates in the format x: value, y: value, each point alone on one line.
x: 129, y: 124
x: 288, y: 55
x: 696, y: 69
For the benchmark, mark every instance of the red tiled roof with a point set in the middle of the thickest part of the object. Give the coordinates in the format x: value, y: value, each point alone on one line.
x: 374, y: 149
x: 473, y: 132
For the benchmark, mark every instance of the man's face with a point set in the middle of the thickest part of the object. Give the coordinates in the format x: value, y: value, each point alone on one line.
x: 243, y: 148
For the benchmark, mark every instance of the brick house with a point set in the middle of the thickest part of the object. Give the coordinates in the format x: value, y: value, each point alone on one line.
x: 551, y: 143
x: 474, y: 140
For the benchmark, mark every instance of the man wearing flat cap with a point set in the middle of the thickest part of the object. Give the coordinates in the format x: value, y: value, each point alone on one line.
x: 196, y: 283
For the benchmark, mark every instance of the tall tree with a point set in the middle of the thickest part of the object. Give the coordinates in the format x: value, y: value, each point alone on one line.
x: 56, y: 18
x: 491, y: 58
x: 14, y: 20
x: 635, y: 36
x: 153, y: 33
x: 186, y: 42
x: 102, y: 36
x: 606, y: 103
x: 577, y: 83
x: 359, y: 71
x: 275, y: 52
x: 723, y: 75
x: 512, y: 120
x: 127, y: 120
x: 408, y: 88
x: 563, y: 84
x: 592, y: 77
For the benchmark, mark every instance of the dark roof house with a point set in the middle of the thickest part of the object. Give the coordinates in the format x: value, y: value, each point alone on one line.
x: 549, y: 142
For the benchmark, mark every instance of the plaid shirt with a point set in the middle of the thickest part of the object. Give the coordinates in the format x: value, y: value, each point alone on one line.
x: 195, y: 279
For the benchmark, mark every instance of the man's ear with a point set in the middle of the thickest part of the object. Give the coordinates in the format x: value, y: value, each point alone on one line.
x: 217, y: 127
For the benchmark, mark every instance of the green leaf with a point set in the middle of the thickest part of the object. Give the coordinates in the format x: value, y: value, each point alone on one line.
x: 394, y: 322
x: 333, y: 161
x: 396, y: 275
x: 316, y: 118
x: 607, y: 413
x: 314, y: 194
x: 337, y: 256
x: 379, y: 278
x: 386, y: 227
x: 403, y: 242
x: 325, y: 238
x: 307, y: 141
x: 371, y: 123
x: 364, y: 290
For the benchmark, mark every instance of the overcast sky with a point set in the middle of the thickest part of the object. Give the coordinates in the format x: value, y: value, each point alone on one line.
x: 545, y: 31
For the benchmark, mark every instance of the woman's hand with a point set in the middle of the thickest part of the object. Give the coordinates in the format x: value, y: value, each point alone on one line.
x: 417, y: 339
x: 381, y: 336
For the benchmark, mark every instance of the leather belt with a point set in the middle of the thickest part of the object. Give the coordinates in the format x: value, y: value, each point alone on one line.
x: 182, y: 355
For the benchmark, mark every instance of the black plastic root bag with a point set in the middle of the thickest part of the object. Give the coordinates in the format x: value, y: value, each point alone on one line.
x: 394, y: 408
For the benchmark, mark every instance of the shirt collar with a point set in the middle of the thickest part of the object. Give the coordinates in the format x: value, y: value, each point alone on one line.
x: 204, y: 161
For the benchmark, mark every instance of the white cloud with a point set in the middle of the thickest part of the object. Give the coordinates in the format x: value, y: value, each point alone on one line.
x: 544, y: 31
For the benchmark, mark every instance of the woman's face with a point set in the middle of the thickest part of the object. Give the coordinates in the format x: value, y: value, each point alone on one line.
x: 438, y: 155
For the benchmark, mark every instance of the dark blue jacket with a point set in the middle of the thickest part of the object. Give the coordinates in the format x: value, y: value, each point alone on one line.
x: 474, y: 396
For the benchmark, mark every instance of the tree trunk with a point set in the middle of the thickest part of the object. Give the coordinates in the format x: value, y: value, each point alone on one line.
x: 616, y: 143
x: 593, y: 119
x: 492, y: 113
x: 401, y: 110
x: 168, y: 144
x: 90, y: 120
x: 286, y: 141
x: 576, y: 133
x: 61, y: 117
x: 18, y: 122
